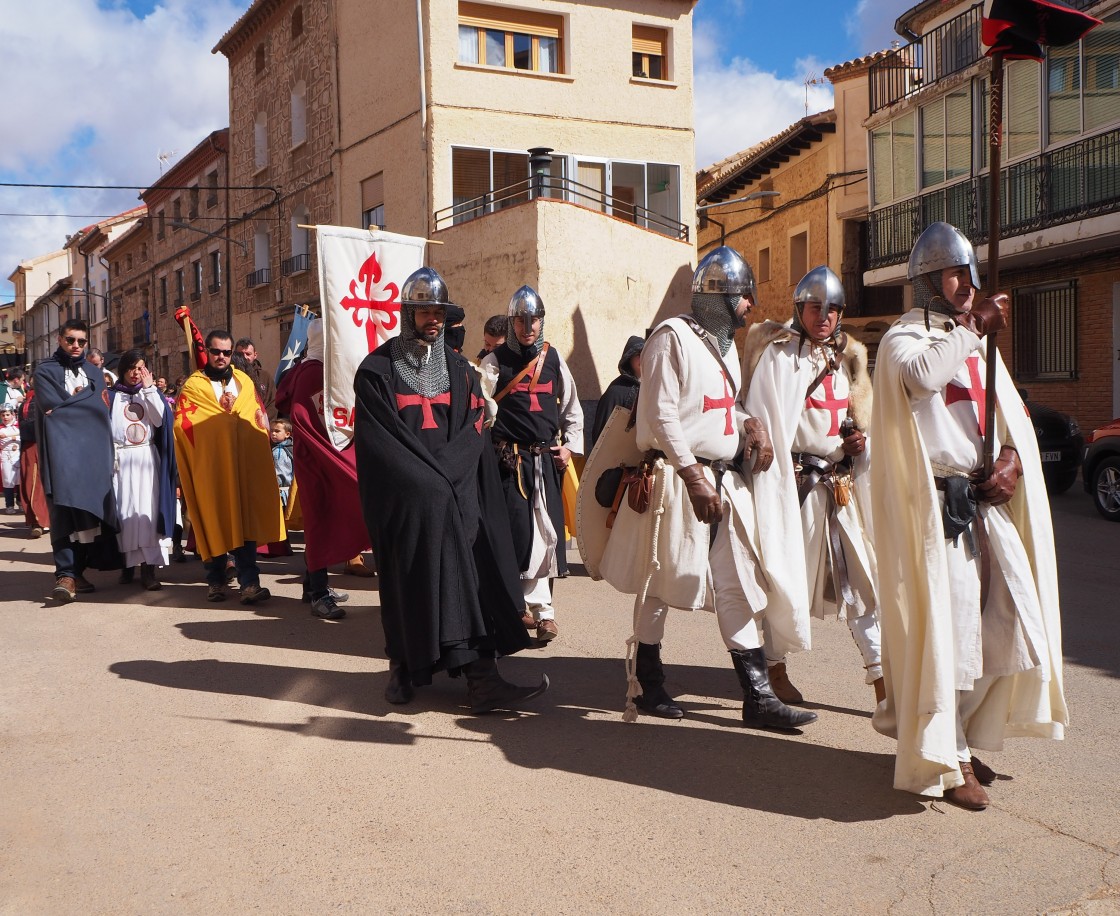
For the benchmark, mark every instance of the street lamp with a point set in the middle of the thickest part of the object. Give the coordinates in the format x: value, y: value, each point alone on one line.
x: 705, y: 219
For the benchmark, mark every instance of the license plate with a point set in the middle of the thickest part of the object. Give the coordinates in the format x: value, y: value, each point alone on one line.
x: 1051, y: 456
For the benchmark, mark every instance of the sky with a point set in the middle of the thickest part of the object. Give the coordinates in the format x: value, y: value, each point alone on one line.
x: 98, y: 90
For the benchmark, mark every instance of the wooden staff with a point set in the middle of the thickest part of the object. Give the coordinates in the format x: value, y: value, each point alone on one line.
x: 995, y: 145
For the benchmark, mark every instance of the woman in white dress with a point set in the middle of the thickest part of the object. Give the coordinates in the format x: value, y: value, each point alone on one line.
x: 9, y: 456
x: 143, y: 485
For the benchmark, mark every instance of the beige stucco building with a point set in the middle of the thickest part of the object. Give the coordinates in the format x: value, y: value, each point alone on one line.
x: 41, y: 313
x: 419, y: 119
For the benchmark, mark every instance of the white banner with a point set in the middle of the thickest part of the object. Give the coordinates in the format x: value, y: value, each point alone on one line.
x: 360, y: 278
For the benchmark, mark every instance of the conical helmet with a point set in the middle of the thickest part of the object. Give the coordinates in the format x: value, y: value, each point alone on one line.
x: 939, y: 246
x: 527, y: 302
x: 725, y: 271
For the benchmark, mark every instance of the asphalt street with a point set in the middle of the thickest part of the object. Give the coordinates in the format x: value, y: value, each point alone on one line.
x: 159, y: 754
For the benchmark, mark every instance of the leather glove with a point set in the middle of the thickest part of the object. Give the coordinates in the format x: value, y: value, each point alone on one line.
x: 1000, y: 487
x: 854, y: 444
x: 987, y: 315
x: 758, y: 438
x: 704, y: 497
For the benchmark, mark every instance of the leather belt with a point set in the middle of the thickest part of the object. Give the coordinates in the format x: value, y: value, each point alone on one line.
x: 816, y: 470
x: 982, y: 547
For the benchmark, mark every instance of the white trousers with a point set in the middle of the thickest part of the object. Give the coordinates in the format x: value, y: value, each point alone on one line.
x: 738, y: 623
x: 538, y: 598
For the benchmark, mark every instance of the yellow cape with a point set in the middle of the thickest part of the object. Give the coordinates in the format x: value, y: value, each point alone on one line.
x: 225, y: 468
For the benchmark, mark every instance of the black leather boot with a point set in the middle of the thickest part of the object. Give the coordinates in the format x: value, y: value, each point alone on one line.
x: 654, y: 700
x: 399, y: 689
x: 487, y: 690
x: 761, y: 709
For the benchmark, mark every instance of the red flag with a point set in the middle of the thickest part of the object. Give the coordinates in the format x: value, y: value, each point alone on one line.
x: 1023, y: 29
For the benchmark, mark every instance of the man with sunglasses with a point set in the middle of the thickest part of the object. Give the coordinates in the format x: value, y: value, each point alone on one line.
x: 226, y: 471
x: 75, y: 458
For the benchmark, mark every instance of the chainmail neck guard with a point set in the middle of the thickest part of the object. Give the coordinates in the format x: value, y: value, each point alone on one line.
x: 515, y: 345
x: 928, y: 296
x: 420, y: 365
x: 714, y: 312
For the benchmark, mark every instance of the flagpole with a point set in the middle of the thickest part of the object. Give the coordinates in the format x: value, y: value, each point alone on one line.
x: 995, y: 144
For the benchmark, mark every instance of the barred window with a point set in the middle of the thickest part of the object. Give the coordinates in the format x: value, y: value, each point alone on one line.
x: 1046, y: 332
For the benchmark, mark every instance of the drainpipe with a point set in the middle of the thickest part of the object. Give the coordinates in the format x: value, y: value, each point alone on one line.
x: 424, y: 144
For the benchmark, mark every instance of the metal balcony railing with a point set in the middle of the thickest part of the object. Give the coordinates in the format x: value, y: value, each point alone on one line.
x: 260, y: 277
x: 113, y: 339
x: 939, y: 53
x: 139, y: 332
x: 1073, y: 182
x: 295, y: 265
x: 214, y: 287
x: 559, y: 189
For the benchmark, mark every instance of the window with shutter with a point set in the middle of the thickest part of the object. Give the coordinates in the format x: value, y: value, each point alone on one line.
x: 513, y: 39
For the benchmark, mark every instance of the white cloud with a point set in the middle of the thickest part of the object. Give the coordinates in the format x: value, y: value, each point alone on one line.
x: 739, y: 105
x: 871, y: 24
x: 100, y: 94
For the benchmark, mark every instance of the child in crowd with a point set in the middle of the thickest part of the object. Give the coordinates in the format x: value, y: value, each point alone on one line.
x: 282, y: 455
x: 9, y: 457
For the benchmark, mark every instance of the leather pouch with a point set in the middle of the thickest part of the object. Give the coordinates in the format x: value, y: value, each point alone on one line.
x: 960, y: 507
x: 640, y: 487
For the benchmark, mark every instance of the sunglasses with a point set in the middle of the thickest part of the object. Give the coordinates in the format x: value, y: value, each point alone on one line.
x: 76, y: 340
x: 215, y: 351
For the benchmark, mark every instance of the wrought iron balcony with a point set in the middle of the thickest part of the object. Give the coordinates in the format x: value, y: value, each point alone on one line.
x: 139, y: 332
x: 559, y: 188
x: 1073, y: 182
x: 296, y: 264
x: 260, y: 277
x: 939, y: 53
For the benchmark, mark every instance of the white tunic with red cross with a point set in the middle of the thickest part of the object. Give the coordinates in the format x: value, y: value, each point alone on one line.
x: 951, y: 418
x: 826, y: 407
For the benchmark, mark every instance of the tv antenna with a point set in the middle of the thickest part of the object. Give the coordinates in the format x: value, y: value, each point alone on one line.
x: 811, y: 80
x: 167, y: 155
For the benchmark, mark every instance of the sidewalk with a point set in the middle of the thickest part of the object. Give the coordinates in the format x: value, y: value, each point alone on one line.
x: 165, y: 755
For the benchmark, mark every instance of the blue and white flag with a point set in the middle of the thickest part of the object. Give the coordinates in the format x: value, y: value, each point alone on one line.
x: 297, y: 340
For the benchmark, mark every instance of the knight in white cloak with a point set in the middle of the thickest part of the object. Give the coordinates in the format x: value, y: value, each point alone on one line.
x: 694, y: 545
x: 807, y: 381
x: 968, y: 582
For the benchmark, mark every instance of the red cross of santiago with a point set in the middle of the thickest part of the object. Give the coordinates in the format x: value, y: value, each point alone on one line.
x: 425, y: 405
x: 831, y: 403
x: 478, y: 403
x: 974, y: 392
x: 725, y: 403
x: 534, y: 403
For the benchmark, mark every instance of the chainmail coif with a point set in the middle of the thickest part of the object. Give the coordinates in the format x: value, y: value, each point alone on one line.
x: 514, y: 344
x: 716, y: 314
x: 420, y: 365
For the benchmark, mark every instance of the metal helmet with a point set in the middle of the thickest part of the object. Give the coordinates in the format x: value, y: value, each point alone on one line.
x: 939, y: 246
x: 725, y: 271
x: 425, y: 288
x: 820, y: 285
x: 526, y: 302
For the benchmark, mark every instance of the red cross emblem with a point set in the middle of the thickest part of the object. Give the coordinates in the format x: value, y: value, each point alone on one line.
x: 478, y: 403
x: 534, y: 403
x: 186, y: 409
x: 425, y: 405
x: 725, y: 403
x: 975, y: 392
x: 831, y: 403
x: 366, y: 309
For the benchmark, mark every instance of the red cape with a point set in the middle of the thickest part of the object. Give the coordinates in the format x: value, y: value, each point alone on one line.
x: 333, y: 528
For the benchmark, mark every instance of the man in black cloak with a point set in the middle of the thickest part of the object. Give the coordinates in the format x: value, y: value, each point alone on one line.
x: 431, y: 497
x: 623, y: 391
x: 76, y: 461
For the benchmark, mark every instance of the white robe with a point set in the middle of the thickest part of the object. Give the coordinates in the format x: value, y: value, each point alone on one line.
x: 136, y: 478
x: 682, y: 380
x: 9, y: 454
x: 920, y: 650
x: 793, y: 537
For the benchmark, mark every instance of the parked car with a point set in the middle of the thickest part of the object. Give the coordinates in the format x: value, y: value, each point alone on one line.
x: 1060, y: 445
x: 1100, y: 470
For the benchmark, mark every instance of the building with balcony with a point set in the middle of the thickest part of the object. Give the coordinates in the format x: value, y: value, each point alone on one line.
x: 31, y: 279
x: 1060, y: 188
x: 422, y: 123
x: 130, y: 306
x: 94, y: 278
x: 179, y: 256
x: 11, y: 337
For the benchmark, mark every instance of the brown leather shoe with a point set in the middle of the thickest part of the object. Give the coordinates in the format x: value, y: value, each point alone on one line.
x: 985, y: 775
x: 529, y: 621
x: 881, y: 690
x: 83, y: 587
x: 780, y: 684
x: 971, y: 795
x: 64, y: 589
x: 546, y: 630
x: 357, y: 567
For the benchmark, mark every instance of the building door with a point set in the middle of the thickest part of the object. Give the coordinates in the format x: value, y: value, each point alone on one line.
x: 593, y: 177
